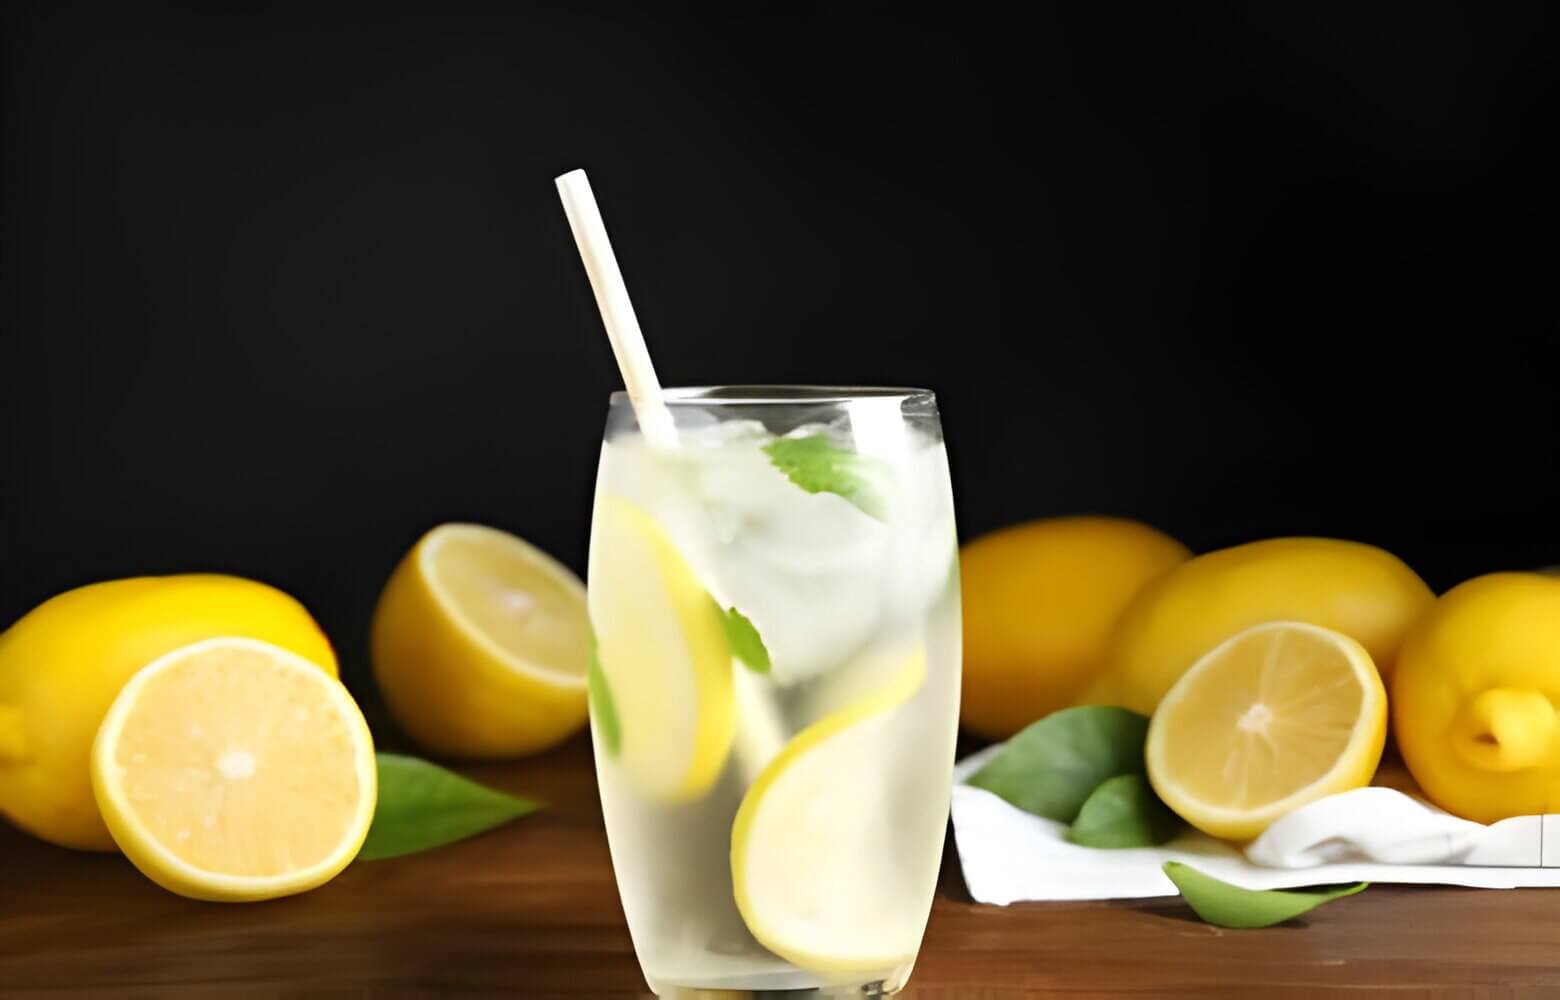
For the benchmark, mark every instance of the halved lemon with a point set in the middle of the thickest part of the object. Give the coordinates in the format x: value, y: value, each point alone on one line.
x: 233, y: 770
x: 480, y: 644
x: 666, y: 665
x: 1278, y: 716
x: 811, y: 877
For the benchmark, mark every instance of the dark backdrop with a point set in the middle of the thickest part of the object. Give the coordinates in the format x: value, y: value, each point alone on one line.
x: 285, y: 286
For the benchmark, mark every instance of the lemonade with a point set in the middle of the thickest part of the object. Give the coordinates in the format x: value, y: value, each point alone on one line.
x: 775, y: 681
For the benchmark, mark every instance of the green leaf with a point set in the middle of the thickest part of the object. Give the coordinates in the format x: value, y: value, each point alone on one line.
x: 818, y: 465
x: 602, y: 709
x: 1053, y: 766
x: 1226, y: 905
x: 1124, y: 812
x: 421, y: 806
x: 746, y: 644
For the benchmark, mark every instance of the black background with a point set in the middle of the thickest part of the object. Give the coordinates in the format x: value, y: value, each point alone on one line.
x: 285, y: 286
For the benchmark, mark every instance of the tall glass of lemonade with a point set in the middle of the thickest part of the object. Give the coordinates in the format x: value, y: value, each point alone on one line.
x: 773, y: 590
x: 774, y: 687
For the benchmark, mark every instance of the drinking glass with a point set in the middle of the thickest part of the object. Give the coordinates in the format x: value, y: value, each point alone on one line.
x: 775, y: 683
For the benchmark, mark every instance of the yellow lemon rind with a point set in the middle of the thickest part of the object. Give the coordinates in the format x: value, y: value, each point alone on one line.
x: 1473, y: 700
x: 1360, y: 590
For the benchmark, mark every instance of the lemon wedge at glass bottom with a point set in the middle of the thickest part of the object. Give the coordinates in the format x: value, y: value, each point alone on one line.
x: 234, y: 770
x: 480, y: 643
x: 812, y: 879
x: 666, y: 666
x: 1278, y: 716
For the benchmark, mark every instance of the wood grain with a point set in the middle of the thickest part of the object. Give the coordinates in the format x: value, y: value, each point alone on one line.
x: 532, y: 911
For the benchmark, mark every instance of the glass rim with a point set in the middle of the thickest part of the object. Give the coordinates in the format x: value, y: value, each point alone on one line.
x: 777, y: 395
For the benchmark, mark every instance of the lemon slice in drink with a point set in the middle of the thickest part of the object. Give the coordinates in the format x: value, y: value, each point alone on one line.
x: 232, y: 770
x: 1276, y: 717
x: 808, y: 868
x: 665, y: 677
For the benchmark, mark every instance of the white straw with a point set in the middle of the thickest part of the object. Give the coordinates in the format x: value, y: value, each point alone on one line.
x: 617, y: 312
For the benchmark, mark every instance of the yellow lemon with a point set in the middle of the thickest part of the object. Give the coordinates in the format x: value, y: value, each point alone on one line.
x: 1276, y: 717
x: 663, y: 698
x: 1039, y: 602
x: 1359, y: 590
x: 1473, y: 698
x: 233, y: 770
x: 62, y: 664
x: 810, y: 877
x: 480, y: 644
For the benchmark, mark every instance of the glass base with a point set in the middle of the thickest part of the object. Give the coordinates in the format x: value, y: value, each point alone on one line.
x: 863, y: 991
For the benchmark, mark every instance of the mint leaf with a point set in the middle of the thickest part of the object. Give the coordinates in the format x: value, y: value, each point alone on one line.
x: 422, y: 806
x: 746, y: 644
x: 1226, y: 905
x: 1124, y: 812
x: 818, y: 465
x: 1054, y: 765
x: 602, y: 708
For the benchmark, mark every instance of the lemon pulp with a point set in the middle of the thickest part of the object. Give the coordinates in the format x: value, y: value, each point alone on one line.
x: 1278, y: 716
x: 234, y: 770
x: 511, y: 595
x: 810, y: 877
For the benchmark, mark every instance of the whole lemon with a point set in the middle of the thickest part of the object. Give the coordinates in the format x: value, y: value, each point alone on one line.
x: 1039, y: 601
x: 481, y: 644
x: 1473, y: 698
x: 64, y: 662
x: 1364, y: 592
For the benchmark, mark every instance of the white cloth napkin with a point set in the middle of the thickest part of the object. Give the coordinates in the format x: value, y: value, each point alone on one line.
x: 1366, y: 835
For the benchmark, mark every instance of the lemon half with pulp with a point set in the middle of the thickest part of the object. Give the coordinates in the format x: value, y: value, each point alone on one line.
x: 1278, y: 716
x: 480, y: 644
x: 233, y: 770
x: 64, y: 662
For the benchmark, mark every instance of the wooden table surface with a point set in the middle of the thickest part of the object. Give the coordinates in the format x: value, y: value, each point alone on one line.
x: 531, y: 910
